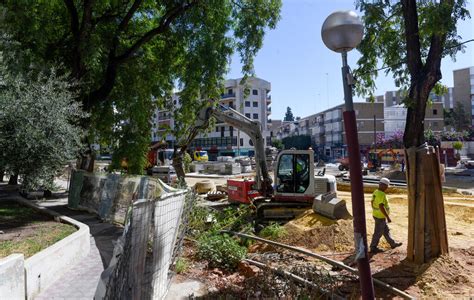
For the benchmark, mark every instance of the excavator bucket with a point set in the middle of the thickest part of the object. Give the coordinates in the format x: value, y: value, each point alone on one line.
x: 331, y: 207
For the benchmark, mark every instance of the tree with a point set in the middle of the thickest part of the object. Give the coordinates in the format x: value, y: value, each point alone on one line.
x: 410, y: 38
x: 134, y: 54
x: 37, y: 132
x: 277, y: 144
x: 461, y: 118
x: 289, y: 115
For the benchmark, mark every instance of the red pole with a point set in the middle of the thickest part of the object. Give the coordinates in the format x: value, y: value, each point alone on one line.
x: 357, y: 189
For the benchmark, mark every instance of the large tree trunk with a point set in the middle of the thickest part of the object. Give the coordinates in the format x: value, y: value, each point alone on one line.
x: 427, y: 236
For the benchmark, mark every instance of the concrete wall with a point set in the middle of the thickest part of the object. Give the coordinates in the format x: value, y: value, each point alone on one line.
x: 12, y: 277
x: 110, y: 195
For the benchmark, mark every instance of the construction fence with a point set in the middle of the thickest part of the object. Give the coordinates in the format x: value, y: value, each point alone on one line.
x: 155, y: 219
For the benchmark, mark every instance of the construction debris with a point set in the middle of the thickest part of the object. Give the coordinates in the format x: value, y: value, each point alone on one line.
x: 205, y: 186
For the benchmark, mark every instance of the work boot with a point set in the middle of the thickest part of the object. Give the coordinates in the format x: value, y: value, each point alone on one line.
x: 375, y: 250
x: 396, y: 245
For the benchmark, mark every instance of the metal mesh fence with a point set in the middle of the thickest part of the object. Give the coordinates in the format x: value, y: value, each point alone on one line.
x: 143, y: 255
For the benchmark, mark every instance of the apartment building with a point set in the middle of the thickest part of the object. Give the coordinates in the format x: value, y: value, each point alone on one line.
x: 464, y: 89
x: 224, y: 139
x: 163, y: 120
x: 395, y: 118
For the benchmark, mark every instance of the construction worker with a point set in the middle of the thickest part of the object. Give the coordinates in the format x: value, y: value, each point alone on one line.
x: 381, y: 214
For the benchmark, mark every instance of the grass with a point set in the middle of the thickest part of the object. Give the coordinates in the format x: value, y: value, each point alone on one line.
x: 29, y: 231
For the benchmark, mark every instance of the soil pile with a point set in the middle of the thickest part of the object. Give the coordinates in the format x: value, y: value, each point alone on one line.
x: 318, y: 233
x: 441, y: 275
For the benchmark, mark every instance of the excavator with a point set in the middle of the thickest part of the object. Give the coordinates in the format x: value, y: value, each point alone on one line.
x: 295, y: 187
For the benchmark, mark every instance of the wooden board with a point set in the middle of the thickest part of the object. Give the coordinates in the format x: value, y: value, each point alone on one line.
x: 440, y: 216
x: 431, y: 230
x: 410, y: 155
x: 420, y: 202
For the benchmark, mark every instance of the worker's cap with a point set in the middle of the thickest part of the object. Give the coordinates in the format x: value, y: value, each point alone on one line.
x: 385, y: 181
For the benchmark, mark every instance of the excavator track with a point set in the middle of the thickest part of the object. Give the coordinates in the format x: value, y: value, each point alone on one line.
x: 277, y: 212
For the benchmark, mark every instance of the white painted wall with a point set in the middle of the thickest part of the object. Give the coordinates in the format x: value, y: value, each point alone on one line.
x: 12, y: 277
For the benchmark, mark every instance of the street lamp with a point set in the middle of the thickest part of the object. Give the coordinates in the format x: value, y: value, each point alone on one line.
x: 341, y: 32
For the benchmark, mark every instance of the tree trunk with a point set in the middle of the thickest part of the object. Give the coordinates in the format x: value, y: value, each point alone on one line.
x: 426, y: 220
x: 13, y: 180
x: 86, y: 160
x: 178, y: 162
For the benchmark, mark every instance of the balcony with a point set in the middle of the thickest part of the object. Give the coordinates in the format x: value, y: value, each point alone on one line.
x: 269, y: 110
x: 269, y: 99
x: 228, y: 95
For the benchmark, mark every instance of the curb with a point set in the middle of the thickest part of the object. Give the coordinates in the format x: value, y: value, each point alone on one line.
x: 48, y: 265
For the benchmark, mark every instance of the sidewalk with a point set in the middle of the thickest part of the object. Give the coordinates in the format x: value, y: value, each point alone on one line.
x: 80, y: 281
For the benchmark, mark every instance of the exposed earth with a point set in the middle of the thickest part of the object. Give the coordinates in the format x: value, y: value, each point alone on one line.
x: 446, y: 277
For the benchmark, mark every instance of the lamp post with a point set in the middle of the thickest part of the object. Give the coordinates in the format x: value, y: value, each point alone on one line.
x: 341, y: 32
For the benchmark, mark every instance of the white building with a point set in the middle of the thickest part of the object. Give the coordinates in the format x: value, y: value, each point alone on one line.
x: 224, y: 139
x: 395, y: 118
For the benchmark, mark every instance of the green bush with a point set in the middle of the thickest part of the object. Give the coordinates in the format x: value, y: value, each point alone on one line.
x: 187, y: 160
x: 273, y: 231
x: 221, y: 251
x: 457, y: 145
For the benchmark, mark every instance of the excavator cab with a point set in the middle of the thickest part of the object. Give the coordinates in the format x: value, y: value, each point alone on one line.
x: 294, y: 175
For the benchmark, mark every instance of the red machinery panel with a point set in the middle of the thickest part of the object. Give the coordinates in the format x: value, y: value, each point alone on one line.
x: 240, y: 190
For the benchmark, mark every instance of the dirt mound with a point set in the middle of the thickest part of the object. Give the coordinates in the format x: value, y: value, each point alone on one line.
x: 438, y: 277
x: 394, y: 175
x: 315, y: 232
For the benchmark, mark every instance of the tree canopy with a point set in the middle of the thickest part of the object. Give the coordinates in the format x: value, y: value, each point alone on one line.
x: 409, y: 39
x: 37, y: 132
x: 130, y: 56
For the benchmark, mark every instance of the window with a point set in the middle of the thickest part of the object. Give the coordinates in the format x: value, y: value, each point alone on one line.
x: 247, y: 115
x: 231, y: 104
x: 435, y: 112
x: 231, y: 129
x: 250, y: 142
x: 241, y: 142
x: 293, y: 173
x: 247, y: 103
x: 255, y: 116
x: 222, y: 131
x: 254, y: 92
x: 230, y: 91
x: 217, y: 129
x: 255, y: 104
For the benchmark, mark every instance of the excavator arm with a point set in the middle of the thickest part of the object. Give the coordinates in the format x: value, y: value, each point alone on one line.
x: 253, y: 129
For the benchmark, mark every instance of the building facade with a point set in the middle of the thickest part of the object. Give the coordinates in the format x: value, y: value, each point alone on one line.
x: 395, y: 118
x: 464, y: 89
x: 224, y: 139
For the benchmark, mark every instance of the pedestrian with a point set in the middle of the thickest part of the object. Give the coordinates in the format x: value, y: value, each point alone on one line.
x: 381, y: 214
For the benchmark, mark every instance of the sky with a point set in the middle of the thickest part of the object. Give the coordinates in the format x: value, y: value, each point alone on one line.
x: 306, y: 75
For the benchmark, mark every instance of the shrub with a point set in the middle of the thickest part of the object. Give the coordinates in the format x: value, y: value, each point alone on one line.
x: 187, y: 160
x: 221, y: 251
x: 457, y: 145
x: 273, y: 231
x: 181, y: 265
